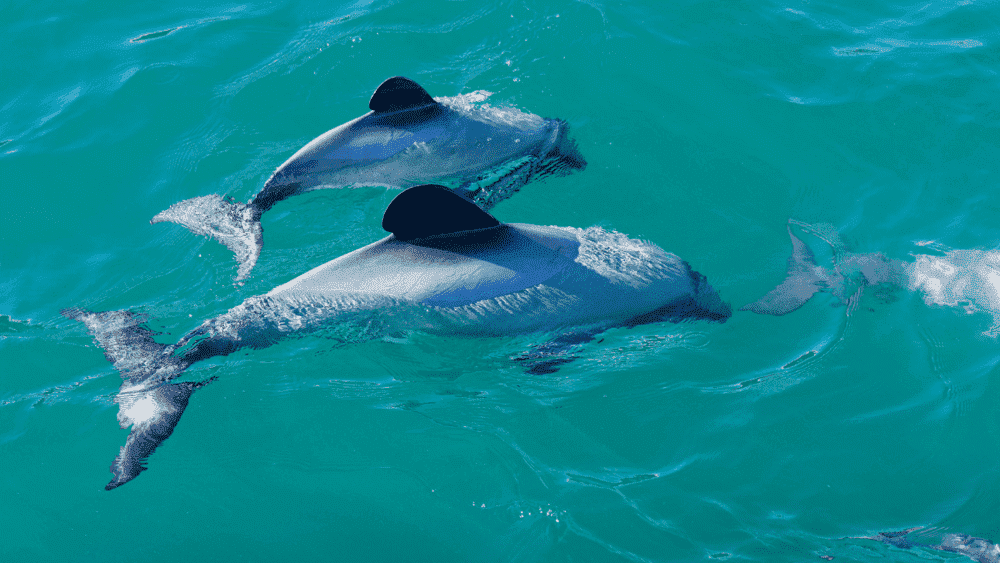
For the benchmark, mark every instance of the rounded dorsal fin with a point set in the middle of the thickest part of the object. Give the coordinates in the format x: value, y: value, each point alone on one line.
x: 430, y: 209
x: 398, y: 93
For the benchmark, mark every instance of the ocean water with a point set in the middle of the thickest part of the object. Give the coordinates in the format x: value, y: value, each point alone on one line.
x: 707, y: 126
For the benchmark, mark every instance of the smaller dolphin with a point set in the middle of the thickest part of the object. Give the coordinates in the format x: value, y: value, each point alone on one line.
x: 978, y: 549
x: 407, y: 139
x: 845, y: 280
x: 962, y: 278
x: 448, y: 268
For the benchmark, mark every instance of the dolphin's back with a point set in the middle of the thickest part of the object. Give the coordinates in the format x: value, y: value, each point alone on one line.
x: 445, y: 271
x: 517, y: 277
x: 453, y: 261
x: 430, y: 144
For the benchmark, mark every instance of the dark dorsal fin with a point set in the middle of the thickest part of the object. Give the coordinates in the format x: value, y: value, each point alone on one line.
x: 398, y: 93
x: 428, y: 210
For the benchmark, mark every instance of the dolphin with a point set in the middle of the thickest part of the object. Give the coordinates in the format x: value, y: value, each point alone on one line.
x: 980, y: 550
x: 448, y: 267
x: 846, y: 279
x: 961, y: 278
x: 408, y: 138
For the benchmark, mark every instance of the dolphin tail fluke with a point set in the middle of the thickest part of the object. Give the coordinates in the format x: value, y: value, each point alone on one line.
x: 153, y: 414
x: 236, y: 225
x: 146, y: 401
x: 801, y: 283
x: 127, y: 343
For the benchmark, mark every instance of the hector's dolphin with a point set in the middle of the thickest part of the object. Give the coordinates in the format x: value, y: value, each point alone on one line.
x: 848, y: 277
x: 407, y: 139
x: 980, y: 550
x: 962, y: 278
x: 448, y: 268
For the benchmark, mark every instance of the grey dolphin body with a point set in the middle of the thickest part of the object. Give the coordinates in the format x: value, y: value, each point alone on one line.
x: 966, y: 279
x: 448, y: 268
x: 846, y: 279
x: 407, y: 139
x: 980, y: 550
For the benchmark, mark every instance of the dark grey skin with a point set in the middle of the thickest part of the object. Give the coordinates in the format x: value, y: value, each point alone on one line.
x: 407, y: 139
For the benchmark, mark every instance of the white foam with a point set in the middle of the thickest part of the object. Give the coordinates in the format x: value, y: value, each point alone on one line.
x: 473, y: 107
x: 969, y: 279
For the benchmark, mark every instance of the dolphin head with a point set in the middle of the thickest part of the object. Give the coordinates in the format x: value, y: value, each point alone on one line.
x: 564, y: 154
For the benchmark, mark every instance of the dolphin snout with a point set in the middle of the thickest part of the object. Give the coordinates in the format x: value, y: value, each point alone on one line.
x: 565, y: 150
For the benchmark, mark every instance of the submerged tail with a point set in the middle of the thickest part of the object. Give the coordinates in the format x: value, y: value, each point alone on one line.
x: 803, y: 280
x: 978, y: 549
x: 146, y: 400
x: 234, y: 224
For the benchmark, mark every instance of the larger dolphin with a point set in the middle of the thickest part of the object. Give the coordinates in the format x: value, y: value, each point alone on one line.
x: 407, y: 139
x: 448, y: 268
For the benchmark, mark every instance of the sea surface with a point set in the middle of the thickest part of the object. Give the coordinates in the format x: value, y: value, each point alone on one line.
x: 710, y: 129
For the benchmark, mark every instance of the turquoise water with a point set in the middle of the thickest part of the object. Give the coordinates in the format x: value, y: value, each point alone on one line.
x: 706, y: 125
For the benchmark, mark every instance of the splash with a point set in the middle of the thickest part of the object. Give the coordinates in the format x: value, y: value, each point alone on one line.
x: 969, y: 279
x: 473, y: 106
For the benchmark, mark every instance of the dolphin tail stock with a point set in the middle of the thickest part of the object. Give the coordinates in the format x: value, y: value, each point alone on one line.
x: 236, y: 225
x: 146, y: 400
x: 801, y: 283
x: 127, y: 343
